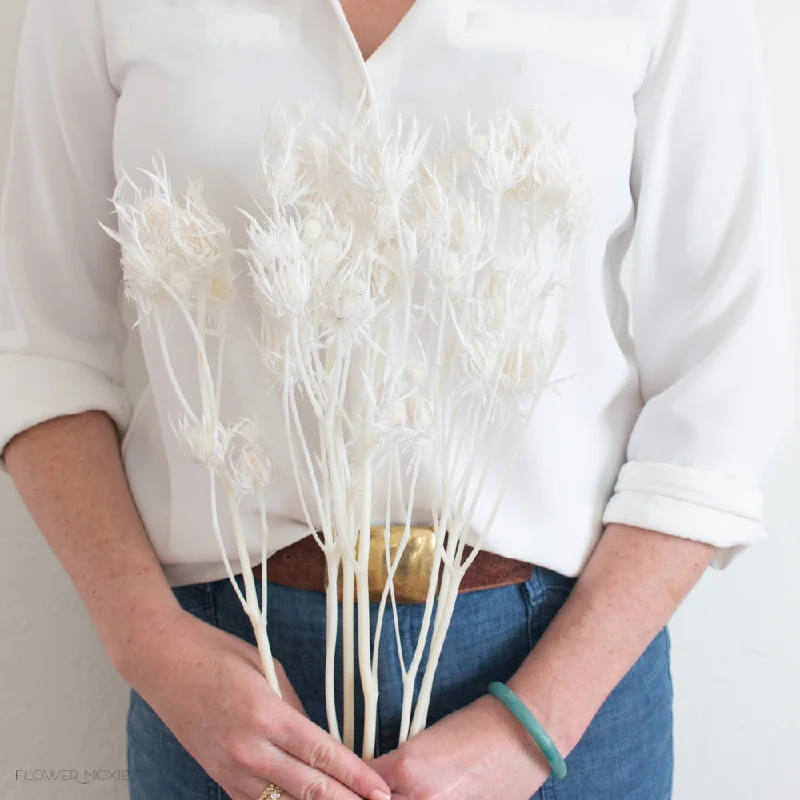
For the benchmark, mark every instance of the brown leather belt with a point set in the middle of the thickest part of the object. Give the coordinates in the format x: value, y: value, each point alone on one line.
x: 302, y: 565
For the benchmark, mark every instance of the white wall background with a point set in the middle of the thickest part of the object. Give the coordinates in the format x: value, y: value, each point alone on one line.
x: 61, y: 704
x: 736, y: 640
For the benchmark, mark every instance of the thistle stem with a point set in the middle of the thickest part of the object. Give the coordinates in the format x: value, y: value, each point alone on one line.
x: 332, y: 612
x: 264, y: 552
x: 264, y: 650
x: 251, y: 597
x: 369, y: 684
x: 218, y: 536
x: 292, y: 415
x: 348, y: 652
x: 410, y: 677
x: 391, y: 570
x: 170, y: 371
x: 437, y: 642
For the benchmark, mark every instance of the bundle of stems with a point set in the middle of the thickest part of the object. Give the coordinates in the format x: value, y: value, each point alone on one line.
x: 413, y: 302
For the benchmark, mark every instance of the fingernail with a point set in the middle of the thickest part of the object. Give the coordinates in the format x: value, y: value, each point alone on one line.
x: 379, y: 795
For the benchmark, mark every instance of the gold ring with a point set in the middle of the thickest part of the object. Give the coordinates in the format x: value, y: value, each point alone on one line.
x: 272, y: 792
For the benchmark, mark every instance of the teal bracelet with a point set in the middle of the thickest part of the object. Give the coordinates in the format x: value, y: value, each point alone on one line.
x: 530, y: 723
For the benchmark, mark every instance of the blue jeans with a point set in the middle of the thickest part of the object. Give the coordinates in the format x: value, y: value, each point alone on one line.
x: 625, y: 754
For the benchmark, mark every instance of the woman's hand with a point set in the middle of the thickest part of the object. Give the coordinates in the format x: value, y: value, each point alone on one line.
x: 476, y: 753
x: 208, y: 688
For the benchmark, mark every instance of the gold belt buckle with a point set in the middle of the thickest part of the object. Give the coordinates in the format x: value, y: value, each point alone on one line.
x: 413, y: 574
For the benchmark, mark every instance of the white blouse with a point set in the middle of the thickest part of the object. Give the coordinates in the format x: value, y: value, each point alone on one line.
x: 669, y: 428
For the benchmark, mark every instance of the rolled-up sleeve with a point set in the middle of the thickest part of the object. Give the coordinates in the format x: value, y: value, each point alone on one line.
x: 61, y: 329
x: 711, y: 297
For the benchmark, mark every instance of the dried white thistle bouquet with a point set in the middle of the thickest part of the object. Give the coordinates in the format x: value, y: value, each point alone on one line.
x: 413, y: 303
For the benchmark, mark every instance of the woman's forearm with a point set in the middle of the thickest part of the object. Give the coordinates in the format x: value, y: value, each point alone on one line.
x: 629, y: 589
x: 70, y: 475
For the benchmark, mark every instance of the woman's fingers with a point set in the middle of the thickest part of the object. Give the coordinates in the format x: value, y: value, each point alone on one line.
x: 307, y: 742
x: 206, y: 687
x: 297, y: 779
x: 235, y: 794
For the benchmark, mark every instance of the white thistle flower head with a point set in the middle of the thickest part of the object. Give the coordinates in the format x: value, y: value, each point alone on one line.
x: 299, y: 111
x: 432, y: 197
x: 457, y: 244
x: 399, y: 163
x: 273, y: 348
x: 525, y: 369
x: 351, y: 310
x: 527, y: 160
x: 513, y: 335
x: 409, y: 420
x: 449, y: 162
x: 206, y: 440
x: 496, y: 314
x: 393, y: 267
x: 247, y: 431
x: 502, y: 155
x: 145, y: 224
x: 479, y: 144
x: 330, y: 252
x: 385, y: 280
x: 279, y: 267
x: 396, y: 414
x: 158, y: 215
x: 415, y: 373
x: 470, y: 243
x: 374, y: 172
x: 315, y: 149
x: 313, y: 228
x: 535, y: 125
x: 576, y: 217
x: 248, y: 466
x: 404, y: 409
x: 206, y: 247
x: 555, y: 192
x: 328, y: 239
x: 345, y: 304
x: 281, y: 167
x: 171, y: 249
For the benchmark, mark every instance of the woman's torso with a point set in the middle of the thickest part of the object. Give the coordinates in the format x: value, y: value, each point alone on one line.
x: 196, y: 81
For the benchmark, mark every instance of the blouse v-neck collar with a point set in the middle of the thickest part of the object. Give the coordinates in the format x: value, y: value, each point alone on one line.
x: 387, y: 54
